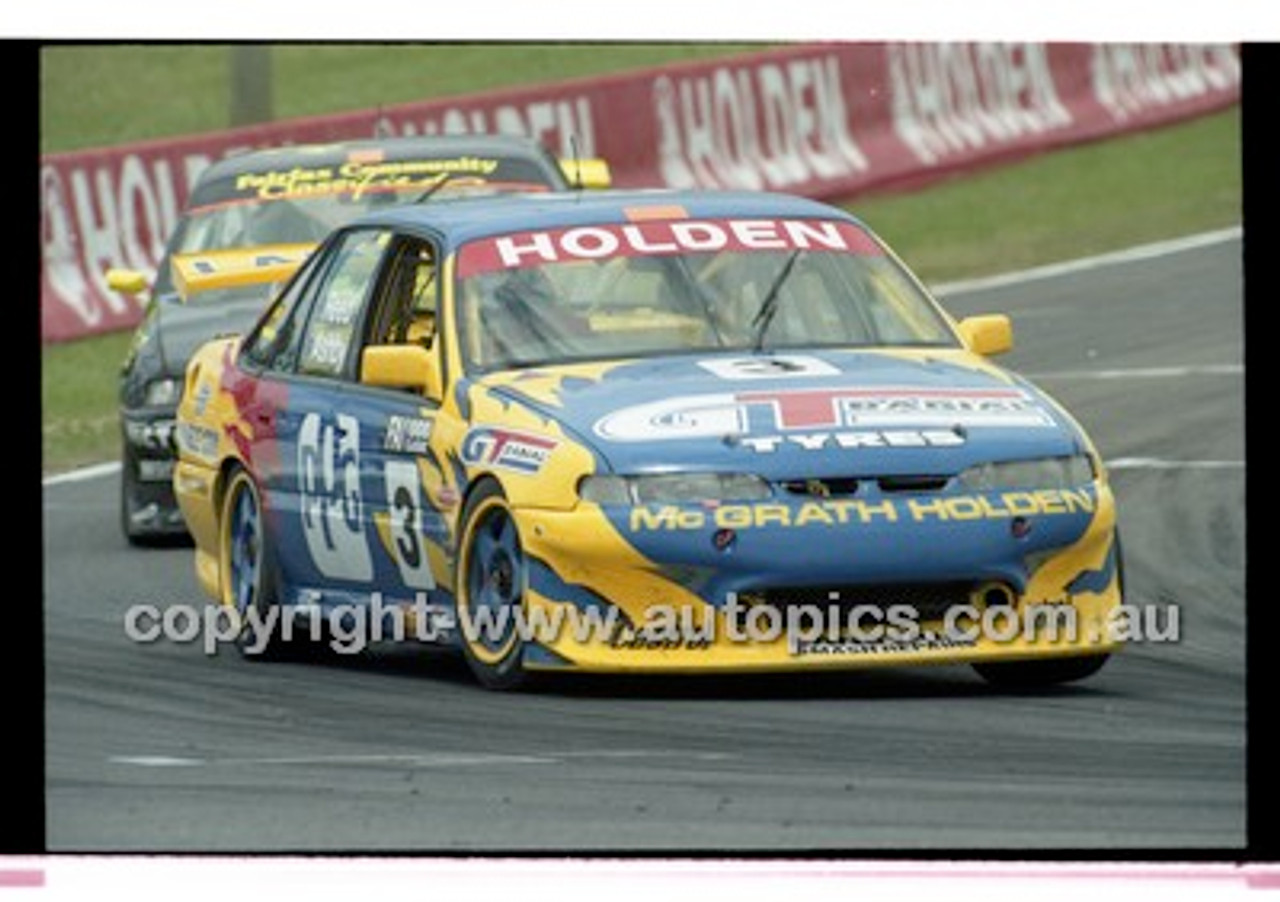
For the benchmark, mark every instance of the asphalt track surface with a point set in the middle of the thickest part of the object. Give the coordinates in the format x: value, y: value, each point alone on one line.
x: 161, y: 747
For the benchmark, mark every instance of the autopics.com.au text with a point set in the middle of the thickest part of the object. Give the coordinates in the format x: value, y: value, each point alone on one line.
x: 807, y: 629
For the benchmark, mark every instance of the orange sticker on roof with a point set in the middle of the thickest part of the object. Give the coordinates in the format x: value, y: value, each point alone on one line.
x: 367, y: 155
x: 650, y: 214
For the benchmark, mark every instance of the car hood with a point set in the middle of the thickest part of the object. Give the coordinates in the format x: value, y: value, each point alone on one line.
x: 821, y: 414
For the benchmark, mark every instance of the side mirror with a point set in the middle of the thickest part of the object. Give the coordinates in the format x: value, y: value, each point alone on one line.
x: 126, y: 281
x: 590, y: 172
x: 407, y: 366
x: 987, y: 335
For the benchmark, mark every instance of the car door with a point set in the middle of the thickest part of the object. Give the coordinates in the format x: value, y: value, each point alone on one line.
x: 345, y: 495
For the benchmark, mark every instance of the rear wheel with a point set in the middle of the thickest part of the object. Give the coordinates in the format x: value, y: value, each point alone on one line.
x: 245, y: 571
x: 1034, y: 674
x: 490, y: 589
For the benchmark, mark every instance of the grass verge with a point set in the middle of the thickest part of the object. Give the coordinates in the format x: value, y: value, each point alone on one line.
x: 1097, y: 197
x: 89, y: 94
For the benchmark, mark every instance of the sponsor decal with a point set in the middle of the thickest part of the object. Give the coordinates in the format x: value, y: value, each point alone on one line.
x: 951, y: 100
x: 204, y: 391
x: 654, y: 638
x: 1132, y: 80
x: 207, y: 265
x: 853, y: 646
x: 758, y: 366
x: 330, y: 499
x: 356, y: 177
x: 721, y: 414
x: 406, y: 435
x: 197, y: 441
x: 659, y: 238
x: 849, y: 511
x: 520, y: 452
x: 864, y: 438
x: 770, y: 125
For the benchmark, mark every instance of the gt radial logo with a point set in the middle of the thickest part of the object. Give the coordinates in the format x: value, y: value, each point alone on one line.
x: 746, y: 412
x: 507, y: 449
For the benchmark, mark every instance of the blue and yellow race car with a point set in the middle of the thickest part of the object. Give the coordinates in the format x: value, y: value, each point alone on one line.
x: 642, y: 432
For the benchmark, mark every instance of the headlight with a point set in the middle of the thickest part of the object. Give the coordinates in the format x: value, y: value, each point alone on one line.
x: 154, y: 435
x: 162, y: 393
x: 1039, y: 473
x: 673, y: 488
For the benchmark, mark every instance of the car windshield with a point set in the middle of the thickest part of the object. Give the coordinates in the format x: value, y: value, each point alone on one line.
x: 297, y: 220
x: 656, y: 288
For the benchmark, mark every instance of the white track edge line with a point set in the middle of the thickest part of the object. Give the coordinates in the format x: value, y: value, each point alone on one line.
x: 83, y: 474
x: 1084, y: 264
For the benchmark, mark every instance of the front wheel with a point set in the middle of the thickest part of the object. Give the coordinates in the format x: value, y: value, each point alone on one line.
x: 131, y: 503
x: 490, y: 588
x: 127, y: 488
x: 1038, y: 674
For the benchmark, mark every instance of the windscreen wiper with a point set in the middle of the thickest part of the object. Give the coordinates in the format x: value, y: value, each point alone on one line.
x: 769, y: 306
x: 433, y: 187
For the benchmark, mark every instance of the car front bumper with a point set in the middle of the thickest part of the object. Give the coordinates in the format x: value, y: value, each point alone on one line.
x: 823, y: 583
x: 149, y: 458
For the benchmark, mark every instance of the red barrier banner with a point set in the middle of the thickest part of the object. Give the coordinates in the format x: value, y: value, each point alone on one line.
x: 823, y: 120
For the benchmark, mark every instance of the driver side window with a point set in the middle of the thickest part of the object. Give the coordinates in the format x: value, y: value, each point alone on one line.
x: 335, y: 317
x: 311, y: 328
x: 406, y: 310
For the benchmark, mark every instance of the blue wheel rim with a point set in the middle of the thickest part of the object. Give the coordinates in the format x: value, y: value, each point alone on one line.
x: 495, y: 579
x: 246, y: 549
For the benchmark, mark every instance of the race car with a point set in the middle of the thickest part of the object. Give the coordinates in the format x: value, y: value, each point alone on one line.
x: 248, y: 219
x: 641, y: 432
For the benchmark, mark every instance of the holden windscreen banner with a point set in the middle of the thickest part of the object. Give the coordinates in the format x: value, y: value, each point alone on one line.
x: 822, y: 120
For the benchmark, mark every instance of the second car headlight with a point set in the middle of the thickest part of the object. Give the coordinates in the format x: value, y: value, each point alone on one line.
x: 162, y: 393
x: 1062, y: 472
x: 673, y: 488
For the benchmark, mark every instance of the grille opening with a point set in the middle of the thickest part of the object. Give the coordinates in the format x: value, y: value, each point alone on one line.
x: 997, y: 595
x: 849, y: 485
x: 912, y: 483
x: 822, y: 488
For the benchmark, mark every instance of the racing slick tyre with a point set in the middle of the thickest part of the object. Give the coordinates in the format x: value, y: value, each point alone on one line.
x: 490, y: 590
x: 1051, y: 671
x: 1035, y: 674
x: 246, y: 572
x: 128, y: 484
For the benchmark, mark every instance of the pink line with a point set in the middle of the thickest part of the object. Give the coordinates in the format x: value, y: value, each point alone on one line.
x: 1254, y: 876
x: 30, y: 877
x: 1258, y: 876
x: 1263, y: 879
